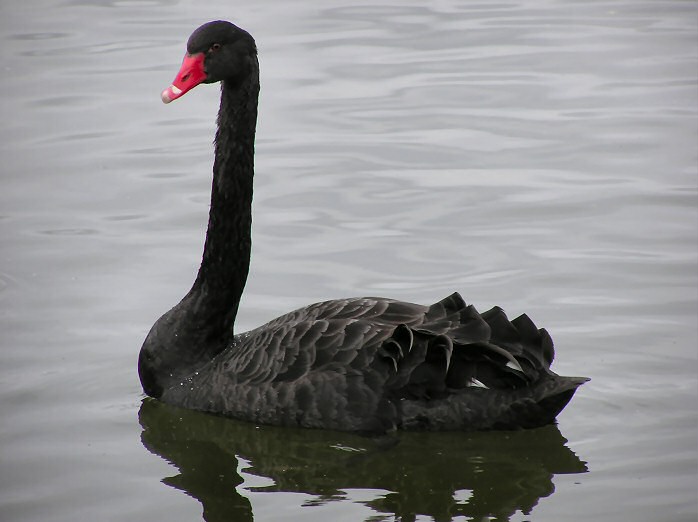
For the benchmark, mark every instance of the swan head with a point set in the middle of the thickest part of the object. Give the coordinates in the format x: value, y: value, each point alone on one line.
x: 216, y: 51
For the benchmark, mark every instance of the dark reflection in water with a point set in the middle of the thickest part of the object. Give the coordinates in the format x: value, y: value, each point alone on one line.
x: 423, y: 474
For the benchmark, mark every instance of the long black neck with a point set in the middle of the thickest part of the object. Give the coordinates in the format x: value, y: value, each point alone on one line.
x: 226, y: 258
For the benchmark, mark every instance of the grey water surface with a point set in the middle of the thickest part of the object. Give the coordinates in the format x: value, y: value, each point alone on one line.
x: 537, y: 155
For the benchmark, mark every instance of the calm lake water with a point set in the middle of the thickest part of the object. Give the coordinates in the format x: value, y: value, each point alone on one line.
x: 536, y: 155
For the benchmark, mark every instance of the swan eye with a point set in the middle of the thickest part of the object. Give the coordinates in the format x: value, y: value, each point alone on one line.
x: 215, y: 47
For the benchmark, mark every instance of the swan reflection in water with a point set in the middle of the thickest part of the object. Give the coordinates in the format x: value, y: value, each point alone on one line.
x: 420, y: 473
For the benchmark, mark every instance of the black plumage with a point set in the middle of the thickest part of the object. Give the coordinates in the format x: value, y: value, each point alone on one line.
x: 361, y: 364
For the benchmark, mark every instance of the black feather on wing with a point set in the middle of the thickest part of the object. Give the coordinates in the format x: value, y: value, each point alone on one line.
x: 372, y: 363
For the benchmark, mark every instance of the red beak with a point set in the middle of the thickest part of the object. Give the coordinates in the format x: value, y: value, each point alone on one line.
x: 190, y: 74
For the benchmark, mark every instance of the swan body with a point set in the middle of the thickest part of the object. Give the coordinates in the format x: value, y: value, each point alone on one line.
x: 365, y: 364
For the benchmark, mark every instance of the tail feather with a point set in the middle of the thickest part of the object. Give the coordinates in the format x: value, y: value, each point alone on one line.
x: 502, y: 330
x: 456, y: 348
x: 453, y: 317
x: 454, y: 303
x: 542, y: 407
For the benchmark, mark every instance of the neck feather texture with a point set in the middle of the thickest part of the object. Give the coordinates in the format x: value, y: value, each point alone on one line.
x: 226, y: 258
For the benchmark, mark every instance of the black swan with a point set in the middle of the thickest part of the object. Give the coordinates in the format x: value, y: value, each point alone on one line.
x: 364, y: 364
